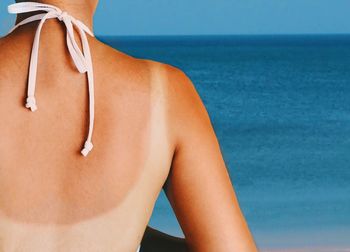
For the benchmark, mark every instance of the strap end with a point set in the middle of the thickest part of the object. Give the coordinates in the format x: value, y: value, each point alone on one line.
x: 87, y: 148
x: 31, y: 103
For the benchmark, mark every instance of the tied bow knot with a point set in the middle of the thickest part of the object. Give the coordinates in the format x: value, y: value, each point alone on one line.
x: 81, y: 58
x: 62, y: 16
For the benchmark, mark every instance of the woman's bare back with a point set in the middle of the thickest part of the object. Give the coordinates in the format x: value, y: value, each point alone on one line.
x: 51, y: 197
x: 151, y: 131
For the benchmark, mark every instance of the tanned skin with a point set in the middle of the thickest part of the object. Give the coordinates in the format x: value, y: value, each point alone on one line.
x: 152, y: 132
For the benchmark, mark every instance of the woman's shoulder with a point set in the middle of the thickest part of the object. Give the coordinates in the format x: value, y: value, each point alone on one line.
x: 172, y: 78
x: 182, y: 102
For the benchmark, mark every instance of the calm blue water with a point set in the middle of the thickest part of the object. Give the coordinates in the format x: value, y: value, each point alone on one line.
x: 281, y: 110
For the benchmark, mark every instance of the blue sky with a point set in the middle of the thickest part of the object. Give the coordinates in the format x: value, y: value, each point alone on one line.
x: 187, y: 17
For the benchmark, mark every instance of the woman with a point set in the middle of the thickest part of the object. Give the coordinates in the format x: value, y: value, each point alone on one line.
x: 83, y: 162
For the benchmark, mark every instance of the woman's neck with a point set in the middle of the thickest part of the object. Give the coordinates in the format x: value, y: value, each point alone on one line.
x: 82, y: 10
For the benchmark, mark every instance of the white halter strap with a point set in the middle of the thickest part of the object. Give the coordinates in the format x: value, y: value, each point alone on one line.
x: 82, y: 60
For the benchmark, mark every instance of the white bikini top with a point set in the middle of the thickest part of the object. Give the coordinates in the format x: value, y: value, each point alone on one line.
x: 81, y: 59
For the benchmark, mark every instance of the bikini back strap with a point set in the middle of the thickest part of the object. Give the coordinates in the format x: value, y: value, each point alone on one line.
x: 82, y: 59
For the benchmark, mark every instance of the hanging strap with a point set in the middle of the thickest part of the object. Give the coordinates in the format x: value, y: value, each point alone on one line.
x: 82, y: 59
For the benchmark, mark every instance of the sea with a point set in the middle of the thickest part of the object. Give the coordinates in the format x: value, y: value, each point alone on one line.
x: 280, y: 107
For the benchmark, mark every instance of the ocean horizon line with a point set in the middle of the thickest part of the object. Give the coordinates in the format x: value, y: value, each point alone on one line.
x: 267, y: 39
